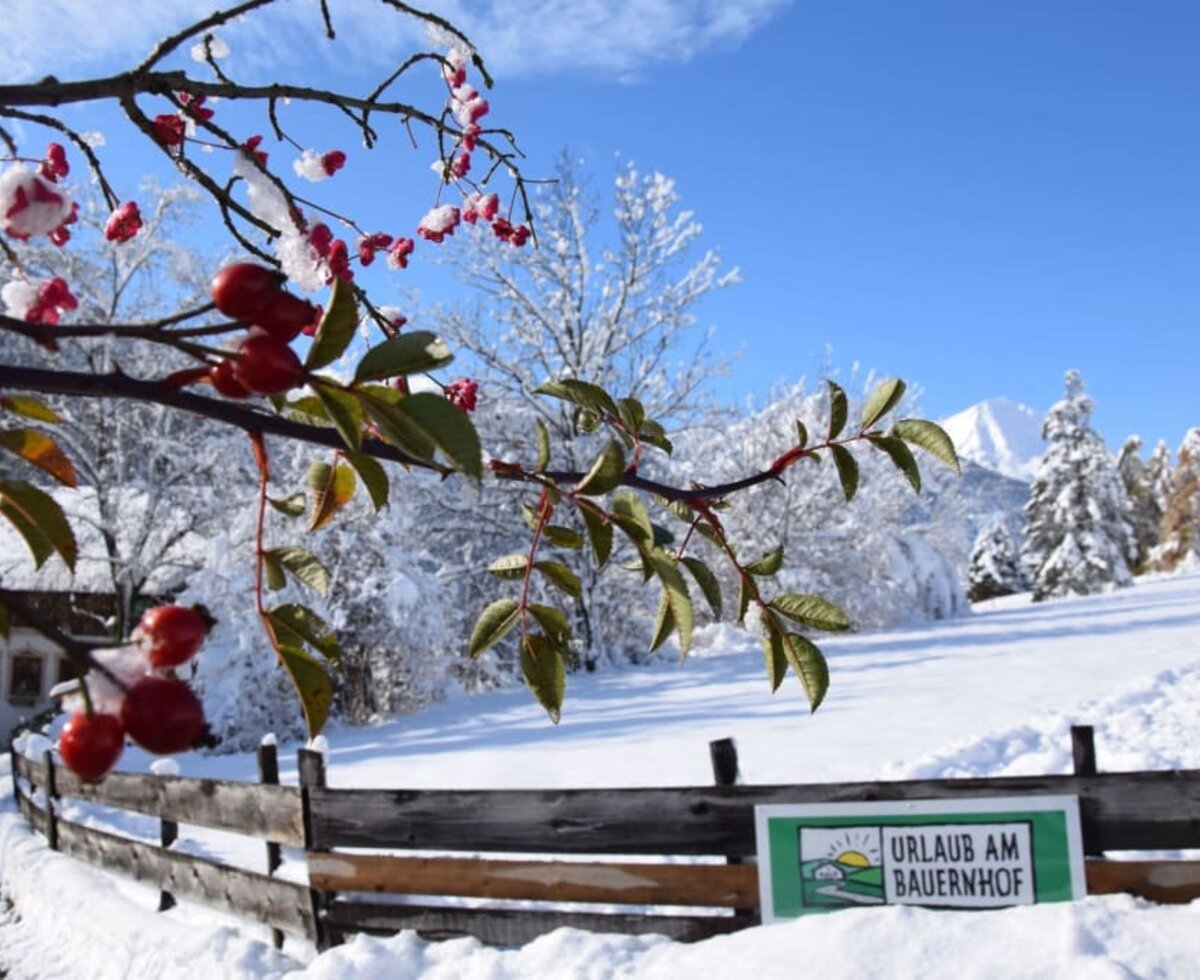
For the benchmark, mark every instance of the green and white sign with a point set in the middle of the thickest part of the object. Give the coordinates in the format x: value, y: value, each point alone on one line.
x: 952, y: 854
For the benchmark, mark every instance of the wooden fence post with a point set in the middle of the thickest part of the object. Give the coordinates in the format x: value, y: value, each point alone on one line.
x: 51, y: 801
x: 12, y: 761
x: 268, y: 774
x: 168, y: 833
x: 312, y: 776
x: 1083, y: 757
x: 723, y: 754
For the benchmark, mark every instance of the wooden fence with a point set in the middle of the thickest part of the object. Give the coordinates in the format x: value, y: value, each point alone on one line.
x: 591, y: 859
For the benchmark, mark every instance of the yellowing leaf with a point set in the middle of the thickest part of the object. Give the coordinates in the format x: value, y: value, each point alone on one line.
x: 332, y: 487
x: 42, y: 451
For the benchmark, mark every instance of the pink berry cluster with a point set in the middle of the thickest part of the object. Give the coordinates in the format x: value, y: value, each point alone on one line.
x: 148, y: 703
x: 53, y: 296
x: 462, y: 394
x: 123, y: 223
x: 32, y: 203
x: 170, y: 129
x: 467, y: 107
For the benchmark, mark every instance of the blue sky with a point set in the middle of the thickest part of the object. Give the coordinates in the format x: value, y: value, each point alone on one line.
x: 973, y: 196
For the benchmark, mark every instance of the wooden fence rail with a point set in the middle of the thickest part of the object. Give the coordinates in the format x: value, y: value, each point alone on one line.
x: 592, y: 859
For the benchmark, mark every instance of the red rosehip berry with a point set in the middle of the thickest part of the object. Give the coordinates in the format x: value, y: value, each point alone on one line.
x: 162, y: 715
x: 90, y: 745
x: 172, y: 634
x: 267, y: 366
x: 284, y: 315
x: 223, y: 380
x: 241, y: 289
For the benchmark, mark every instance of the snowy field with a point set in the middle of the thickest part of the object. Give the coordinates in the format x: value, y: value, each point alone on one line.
x: 993, y: 693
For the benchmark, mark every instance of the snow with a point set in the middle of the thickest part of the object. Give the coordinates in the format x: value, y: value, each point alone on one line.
x: 1000, y: 435
x: 991, y: 693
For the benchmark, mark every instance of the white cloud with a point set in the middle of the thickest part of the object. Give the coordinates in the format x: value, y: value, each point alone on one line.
x: 518, y: 38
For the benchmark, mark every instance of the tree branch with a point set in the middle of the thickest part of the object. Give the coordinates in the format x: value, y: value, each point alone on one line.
x: 118, y: 385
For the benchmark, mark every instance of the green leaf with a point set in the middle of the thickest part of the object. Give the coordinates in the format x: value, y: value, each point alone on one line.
x: 847, y: 469
x: 307, y: 408
x: 774, y: 658
x: 493, y: 623
x: 811, y: 610
x: 902, y: 456
x: 747, y: 590
x: 768, y: 564
x: 559, y: 575
x: 930, y: 437
x: 30, y: 408
x: 312, y: 684
x: 41, y: 451
x: 801, y: 434
x: 677, y: 595
x: 589, y: 397
x: 662, y: 537
x: 562, y: 537
x: 344, y: 411
x: 543, y: 445
x: 397, y: 428
x: 297, y: 625
x: 40, y: 521
x: 677, y: 508
x: 664, y: 622
x: 883, y: 399
x: 510, y: 566
x: 553, y: 622
x: 373, y: 477
x: 809, y: 664
x: 838, y: 410
x: 293, y: 505
x: 336, y: 328
x: 545, y: 673
x: 276, y: 579
x: 600, y: 533
x: 587, y: 422
x: 708, y: 583
x: 632, y: 517
x: 446, y: 427
x: 332, y: 488
x: 406, y: 353
x: 632, y: 412
x: 305, y: 566
x: 655, y: 435
x: 606, y: 473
